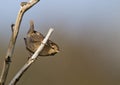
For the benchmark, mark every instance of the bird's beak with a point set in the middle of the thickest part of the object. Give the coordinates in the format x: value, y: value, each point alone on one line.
x: 57, y: 51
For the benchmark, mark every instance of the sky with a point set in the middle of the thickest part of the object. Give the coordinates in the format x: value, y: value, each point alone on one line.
x: 72, y: 12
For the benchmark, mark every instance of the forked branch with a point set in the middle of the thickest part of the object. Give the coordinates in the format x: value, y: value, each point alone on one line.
x: 31, y: 60
x: 15, y: 31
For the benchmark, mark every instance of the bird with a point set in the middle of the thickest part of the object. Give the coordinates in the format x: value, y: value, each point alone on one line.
x: 34, y: 40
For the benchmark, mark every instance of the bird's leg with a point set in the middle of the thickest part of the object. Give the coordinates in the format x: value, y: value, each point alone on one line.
x: 30, y: 54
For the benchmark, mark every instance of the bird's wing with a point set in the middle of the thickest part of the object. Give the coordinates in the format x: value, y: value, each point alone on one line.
x: 36, y: 37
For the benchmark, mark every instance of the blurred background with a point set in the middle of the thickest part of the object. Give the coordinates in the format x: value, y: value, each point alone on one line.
x: 87, y: 32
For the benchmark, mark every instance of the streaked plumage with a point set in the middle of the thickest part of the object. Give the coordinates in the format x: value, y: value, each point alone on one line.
x: 34, y: 39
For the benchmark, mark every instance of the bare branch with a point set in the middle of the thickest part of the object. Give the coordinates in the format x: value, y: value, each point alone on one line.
x: 31, y: 60
x: 15, y: 31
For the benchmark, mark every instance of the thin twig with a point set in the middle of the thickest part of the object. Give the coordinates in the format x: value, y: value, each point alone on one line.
x: 31, y: 60
x: 15, y: 31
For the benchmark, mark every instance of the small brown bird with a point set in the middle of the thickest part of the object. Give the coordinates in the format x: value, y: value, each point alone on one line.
x: 34, y: 39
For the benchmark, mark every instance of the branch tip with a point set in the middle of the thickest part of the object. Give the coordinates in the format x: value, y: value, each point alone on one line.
x: 23, y: 4
x: 12, y: 27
